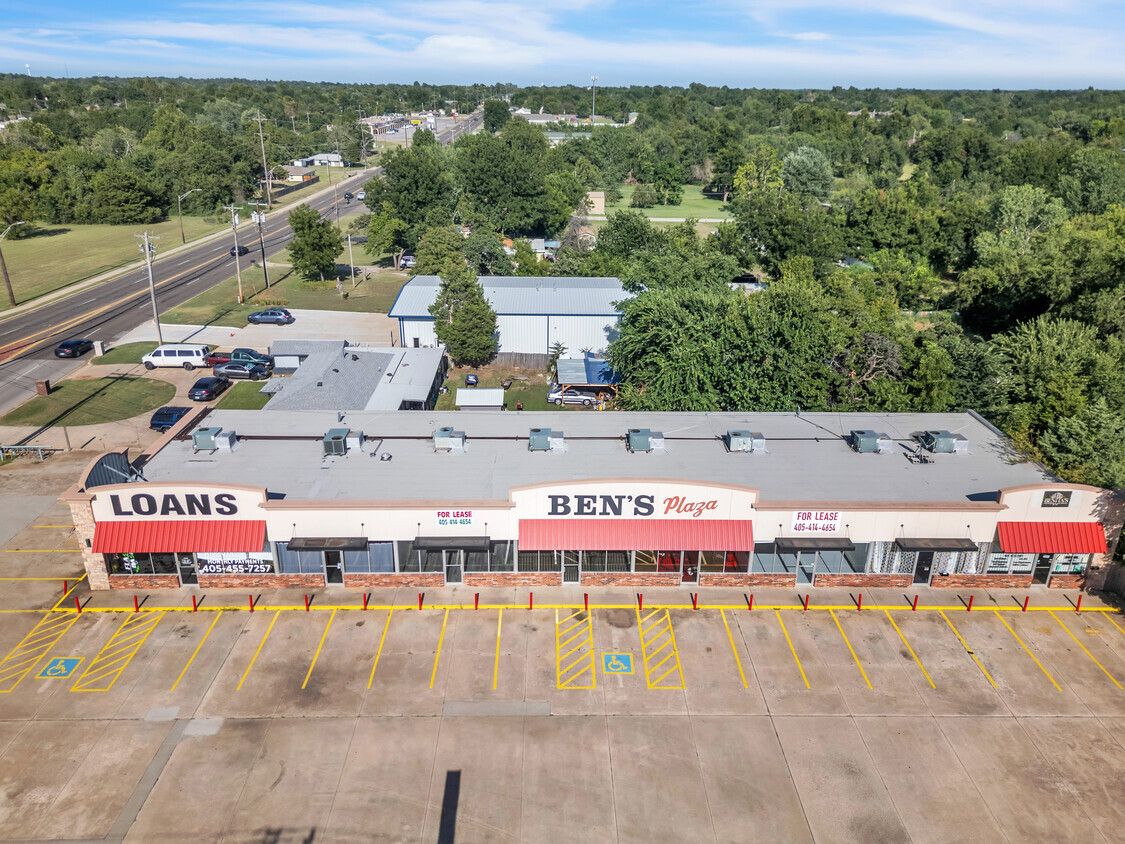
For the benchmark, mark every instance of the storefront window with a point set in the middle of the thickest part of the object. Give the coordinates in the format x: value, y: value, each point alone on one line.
x: 1069, y: 563
x: 855, y: 561
x: 533, y: 561
x: 611, y: 561
x: 999, y: 563
x: 140, y: 563
x: 501, y: 556
x: 765, y: 558
x: 225, y: 563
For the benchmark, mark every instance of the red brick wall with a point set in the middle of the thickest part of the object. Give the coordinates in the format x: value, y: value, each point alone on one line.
x: 507, y: 578
x: 982, y: 581
x: 143, y: 582
x: 1067, y: 581
x: 896, y: 581
x: 259, y: 581
x: 744, y: 580
x: 605, y: 578
x: 392, y: 580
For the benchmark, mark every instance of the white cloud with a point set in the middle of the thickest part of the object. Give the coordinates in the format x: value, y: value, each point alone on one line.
x: 810, y: 36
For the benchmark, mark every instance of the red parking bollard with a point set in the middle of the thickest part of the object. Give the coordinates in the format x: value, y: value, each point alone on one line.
x: 969, y: 608
x: 750, y: 603
x: 530, y: 600
x: 64, y: 589
x: 365, y: 597
x: 640, y: 601
x: 78, y: 603
x: 586, y: 600
x: 1025, y: 600
x: 1078, y: 606
x: 136, y: 606
x: 694, y: 601
x: 194, y: 605
x: 859, y: 603
x: 306, y: 603
x: 806, y: 602
x: 476, y: 600
x: 251, y: 603
x: 419, y: 600
x: 915, y: 607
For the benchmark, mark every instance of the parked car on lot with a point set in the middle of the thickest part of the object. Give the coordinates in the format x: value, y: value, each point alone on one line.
x: 407, y: 262
x: 242, y: 250
x: 166, y: 417
x: 278, y: 316
x: 73, y: 348
x: 240, y: 356
x: 248, y: 371
x: 558, y: 395
x: 208, y: 388
x: 187, y: 355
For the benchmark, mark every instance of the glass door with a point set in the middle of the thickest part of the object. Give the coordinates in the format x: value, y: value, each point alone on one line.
x: 1042, y: 571
x: 691, y: 568
x: 453, y: 565
x: 806, y: 562
x: 188, y: 573
x: 333, y: 566
x: 569, y: 566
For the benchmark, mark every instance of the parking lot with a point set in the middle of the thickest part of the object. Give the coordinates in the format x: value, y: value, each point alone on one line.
x: 623, y: 723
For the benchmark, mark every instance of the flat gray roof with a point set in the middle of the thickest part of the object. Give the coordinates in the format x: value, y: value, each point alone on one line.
x: 515, y: 295
x: 807, y: 458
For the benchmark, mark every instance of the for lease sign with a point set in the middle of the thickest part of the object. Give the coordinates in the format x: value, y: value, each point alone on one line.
x: 816, y: 521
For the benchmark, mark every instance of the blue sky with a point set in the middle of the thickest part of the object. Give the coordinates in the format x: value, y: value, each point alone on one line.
x: 741, y: 43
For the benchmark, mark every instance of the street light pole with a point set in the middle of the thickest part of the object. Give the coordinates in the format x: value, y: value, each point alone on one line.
x: 148, y: 248
x: 234, y: 230
x: 180, y: 210
x: 593, y: 99
x: 4, y: 266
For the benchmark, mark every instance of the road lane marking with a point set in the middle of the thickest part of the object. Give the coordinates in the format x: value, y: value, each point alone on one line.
x: 903, y: 637
x: 1029, y: 653
x: 734, y: 649
x: 379, y: 652
x: 316, y: 656
x: 437, y: 656
x: 258, y: 651
x: 792, y: 649
x: 196, y: 651
x: 1075, y: 638
x: 968, y: 650
x: 850, y: 648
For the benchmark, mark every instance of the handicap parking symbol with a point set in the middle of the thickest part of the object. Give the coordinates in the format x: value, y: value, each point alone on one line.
x: 617, y: 663
x: 60, y: 666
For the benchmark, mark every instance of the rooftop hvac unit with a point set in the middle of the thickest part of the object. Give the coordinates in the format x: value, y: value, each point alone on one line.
x: 639, y: 439
x: 446, y: 439
x: 870, y: 442
x: 355, y: 440
x: 225, y: 440
x: 944, y: 442
x: 558, y: 441
x: 539, y: 439
x: 203, y: 439
x: 336, y: 441
x: 656, y: 441
x: 745, y: 441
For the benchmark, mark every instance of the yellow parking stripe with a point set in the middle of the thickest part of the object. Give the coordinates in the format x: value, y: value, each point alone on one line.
x: 379, y: 652
x: 968, y: 650
x: 316, y: 656
x: 1107, y: 617
x: 35, y: 645
x: 569, y: 674
x: 792, y: 649
x: 850, y: 648
x: 258, y: 651
x: 496, y: 664
x: 901, y: 636
x: 1075, y: 638
x: 1029, y: 653
x: 196, y: 651
x: 437, y: 656
x: 734, y: 650
x: 661, y: 631
x: 116, y: 654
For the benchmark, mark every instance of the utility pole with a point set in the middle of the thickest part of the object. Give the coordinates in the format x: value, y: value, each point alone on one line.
x: 593, y: 99
x: 4, y: 266
x: 259, y: 217
x: 234, y: 230
x: 351, y: 259
x: 180, y: 211
x: 148, y: 249
x: 265, y: 167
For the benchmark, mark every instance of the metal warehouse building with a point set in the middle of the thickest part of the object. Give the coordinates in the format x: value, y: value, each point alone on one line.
x: 307, y: 498
x: 532, y: 314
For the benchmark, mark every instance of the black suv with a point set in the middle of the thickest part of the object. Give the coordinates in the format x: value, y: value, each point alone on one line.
x: 166, y: 417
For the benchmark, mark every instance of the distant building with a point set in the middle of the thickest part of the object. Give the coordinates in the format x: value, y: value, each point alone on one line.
x: 320, y: 159
x: 299, y: 174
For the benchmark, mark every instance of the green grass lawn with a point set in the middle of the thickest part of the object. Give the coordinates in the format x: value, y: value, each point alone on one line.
x: 532, y: 393
x: 129, y: 353
x: 57, y: 256
x: 219, y: 305
x: 695, y: 204
x: 245, y: 395
x: 91, y: 401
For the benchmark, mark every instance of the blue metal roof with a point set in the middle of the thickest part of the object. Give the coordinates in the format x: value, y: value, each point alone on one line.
x: 588, y: 369
x: 518, y: 296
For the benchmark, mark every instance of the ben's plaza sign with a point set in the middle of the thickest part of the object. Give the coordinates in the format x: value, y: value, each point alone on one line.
x: 635, y: 501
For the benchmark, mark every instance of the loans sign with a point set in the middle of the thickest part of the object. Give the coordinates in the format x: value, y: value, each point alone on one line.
x: 816, y: 521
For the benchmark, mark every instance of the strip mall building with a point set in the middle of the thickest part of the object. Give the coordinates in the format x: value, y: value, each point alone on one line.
x: 307, y: 498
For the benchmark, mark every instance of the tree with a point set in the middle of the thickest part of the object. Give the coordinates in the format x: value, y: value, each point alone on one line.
x: 439, y: 252
x: 463, y: 320
x: 316, y: 243
x: 806, y: 172
x: 485, y: 254
x: 643, y: 197
x: 762, y: 171
x: 727, y: 162
x: 1088, y: 448
x: 496, y: 114
x: 387, y: 233
x: 118, y: 198
x: 1094, y: 181
x: 527, y: 262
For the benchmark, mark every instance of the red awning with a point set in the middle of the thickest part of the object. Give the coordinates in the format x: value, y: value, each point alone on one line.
x: 171, y: 535
x: 1052, y: 538
x: 636, y: 535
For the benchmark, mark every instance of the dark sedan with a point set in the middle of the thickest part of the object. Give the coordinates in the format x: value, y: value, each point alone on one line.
x: 208, y: 388
x: 73, y: 348
x: 242, y: 250
x: 166, y: 417
x: 233, y: 369
x: 278, y: 316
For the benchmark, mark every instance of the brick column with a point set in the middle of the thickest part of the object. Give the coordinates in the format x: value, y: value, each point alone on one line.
x: 82, y: 512
x: 1113, y: 517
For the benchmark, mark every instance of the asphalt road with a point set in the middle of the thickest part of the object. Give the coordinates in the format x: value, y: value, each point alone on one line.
x: 120, y: 304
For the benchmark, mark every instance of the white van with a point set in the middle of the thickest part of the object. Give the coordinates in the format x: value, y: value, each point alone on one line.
x: 177, y: 354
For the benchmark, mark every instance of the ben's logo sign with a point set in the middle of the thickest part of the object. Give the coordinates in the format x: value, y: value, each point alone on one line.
x: 144, y: 504
x: 1057, y: 498
x: 627, y: 505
